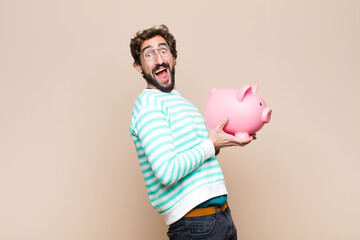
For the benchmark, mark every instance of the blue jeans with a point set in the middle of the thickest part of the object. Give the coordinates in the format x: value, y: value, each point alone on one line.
x: 218, y: 226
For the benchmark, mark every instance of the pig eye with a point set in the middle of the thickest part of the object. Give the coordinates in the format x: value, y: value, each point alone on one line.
x: 260, y: 104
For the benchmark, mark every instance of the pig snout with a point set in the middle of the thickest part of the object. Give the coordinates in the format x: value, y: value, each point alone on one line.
x: 266, y: 115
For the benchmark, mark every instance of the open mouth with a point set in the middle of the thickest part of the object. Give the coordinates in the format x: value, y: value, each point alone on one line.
x: 162, y: 73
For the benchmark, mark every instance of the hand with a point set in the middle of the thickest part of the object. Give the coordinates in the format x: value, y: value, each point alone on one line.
x: 221, y: 139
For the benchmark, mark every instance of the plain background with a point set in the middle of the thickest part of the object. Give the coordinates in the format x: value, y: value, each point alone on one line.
x: 68, y: 168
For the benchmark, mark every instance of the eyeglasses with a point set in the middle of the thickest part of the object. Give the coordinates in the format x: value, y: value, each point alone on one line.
x: 149, y: 54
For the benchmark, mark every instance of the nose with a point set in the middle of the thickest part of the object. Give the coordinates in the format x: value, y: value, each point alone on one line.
x: 266, y: 115
x: 157, y: 57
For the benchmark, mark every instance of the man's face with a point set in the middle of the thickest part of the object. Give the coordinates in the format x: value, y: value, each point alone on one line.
x: 157, y: 64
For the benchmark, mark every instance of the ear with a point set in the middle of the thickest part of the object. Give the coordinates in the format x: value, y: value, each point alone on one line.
x: 254, y: 88
x: 138, y: 67
x: 240, y: 95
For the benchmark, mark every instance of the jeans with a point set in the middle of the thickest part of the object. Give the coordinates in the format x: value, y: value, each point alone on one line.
x: 218, y: 226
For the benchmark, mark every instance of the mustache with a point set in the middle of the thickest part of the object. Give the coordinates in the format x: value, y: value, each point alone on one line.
x: 157, y: 66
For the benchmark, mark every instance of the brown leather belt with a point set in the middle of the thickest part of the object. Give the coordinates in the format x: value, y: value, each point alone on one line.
x: 199, y: 212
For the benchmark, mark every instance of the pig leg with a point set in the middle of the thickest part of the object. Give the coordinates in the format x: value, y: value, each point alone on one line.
x: 242, y: 135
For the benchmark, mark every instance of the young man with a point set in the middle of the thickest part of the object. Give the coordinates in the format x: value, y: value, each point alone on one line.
x: 177, y: 156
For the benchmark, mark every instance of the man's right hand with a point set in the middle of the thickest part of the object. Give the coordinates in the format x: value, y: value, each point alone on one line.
x: 222, y: 139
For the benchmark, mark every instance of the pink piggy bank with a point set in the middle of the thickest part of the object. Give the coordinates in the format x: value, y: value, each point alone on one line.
x: 244, y: 108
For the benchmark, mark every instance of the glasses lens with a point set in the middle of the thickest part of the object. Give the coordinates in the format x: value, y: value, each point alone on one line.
x: 164, y: 51
x: 148, y: 54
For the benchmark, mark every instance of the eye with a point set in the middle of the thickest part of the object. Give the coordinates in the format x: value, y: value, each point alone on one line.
x: 163, y: 50
x: 260, y: 104
x: 148, y: 54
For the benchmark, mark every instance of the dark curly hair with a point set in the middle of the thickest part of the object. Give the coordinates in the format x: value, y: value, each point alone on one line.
x: 141, y: 36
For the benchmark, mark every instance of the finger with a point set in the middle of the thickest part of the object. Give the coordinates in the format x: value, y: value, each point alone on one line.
x: 245, y: 140
x: 249, y: 139
x: 223, y: 123
x: 254, y: 136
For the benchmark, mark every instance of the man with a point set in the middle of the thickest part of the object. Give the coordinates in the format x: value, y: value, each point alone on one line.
x: 177, y: 156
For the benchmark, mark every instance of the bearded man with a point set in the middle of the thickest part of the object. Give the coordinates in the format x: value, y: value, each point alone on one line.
x: 183, y: 178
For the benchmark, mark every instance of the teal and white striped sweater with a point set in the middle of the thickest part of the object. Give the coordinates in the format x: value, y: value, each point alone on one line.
x: 176, y: 156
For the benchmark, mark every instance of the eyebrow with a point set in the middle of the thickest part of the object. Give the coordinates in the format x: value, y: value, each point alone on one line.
x: 161, y: 44
x: 149, y: 46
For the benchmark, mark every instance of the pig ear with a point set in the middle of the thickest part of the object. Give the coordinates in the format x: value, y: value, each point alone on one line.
x: 254, y: 88
x: 213, y: 90
x: 240, y: 95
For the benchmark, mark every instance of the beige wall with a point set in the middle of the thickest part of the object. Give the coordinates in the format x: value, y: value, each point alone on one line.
x: 68, y: 168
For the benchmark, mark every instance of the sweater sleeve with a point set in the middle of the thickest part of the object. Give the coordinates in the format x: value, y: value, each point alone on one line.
x: 154, y: 133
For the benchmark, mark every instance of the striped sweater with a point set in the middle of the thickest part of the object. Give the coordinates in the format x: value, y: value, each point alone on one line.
x: 176, y: 156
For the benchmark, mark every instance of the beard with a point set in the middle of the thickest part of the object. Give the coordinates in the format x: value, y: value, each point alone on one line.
x: 152, y: 81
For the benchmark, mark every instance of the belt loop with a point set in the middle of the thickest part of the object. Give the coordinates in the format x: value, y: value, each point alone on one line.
x: 223, y: 207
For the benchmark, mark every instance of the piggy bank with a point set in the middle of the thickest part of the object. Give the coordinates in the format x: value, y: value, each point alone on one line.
x: 244, y: 108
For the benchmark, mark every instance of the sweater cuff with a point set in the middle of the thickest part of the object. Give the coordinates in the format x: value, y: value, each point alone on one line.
x: 209, y: 149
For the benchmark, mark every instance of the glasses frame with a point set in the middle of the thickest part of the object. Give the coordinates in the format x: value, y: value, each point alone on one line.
x: 153, y: 52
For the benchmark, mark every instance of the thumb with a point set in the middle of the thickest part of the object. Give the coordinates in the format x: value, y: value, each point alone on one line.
x: 223, y: 123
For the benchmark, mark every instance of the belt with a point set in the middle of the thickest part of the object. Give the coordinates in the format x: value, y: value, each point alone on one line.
x: 199, y: 212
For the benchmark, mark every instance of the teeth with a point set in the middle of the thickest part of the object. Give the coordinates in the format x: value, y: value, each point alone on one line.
x: 160, y: 70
